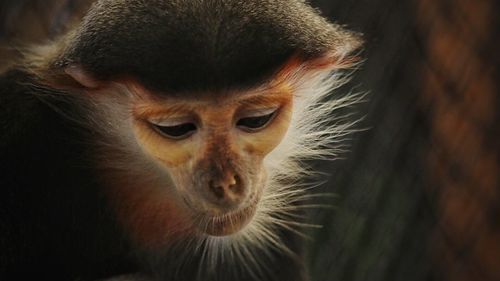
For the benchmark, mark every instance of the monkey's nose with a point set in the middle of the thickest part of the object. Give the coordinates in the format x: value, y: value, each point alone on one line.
x: 227, y: 192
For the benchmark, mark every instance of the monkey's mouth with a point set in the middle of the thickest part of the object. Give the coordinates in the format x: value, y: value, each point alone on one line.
x: 228, y: 223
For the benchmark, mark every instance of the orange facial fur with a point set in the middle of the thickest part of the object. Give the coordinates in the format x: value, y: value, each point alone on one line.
x: 217, y: 151
x: 216, y: 124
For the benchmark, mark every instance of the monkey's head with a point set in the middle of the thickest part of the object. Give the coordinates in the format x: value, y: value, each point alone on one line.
x: 212, y: 89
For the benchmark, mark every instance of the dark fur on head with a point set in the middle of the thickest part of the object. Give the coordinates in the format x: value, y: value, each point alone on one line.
x: 185, y: 45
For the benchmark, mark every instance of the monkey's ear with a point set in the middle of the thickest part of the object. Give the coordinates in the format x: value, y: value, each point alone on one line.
x: 344, y: 54
x: 332, y: 61
x: 83, y: 77
x: 341, y: 53
x: 298, y: 64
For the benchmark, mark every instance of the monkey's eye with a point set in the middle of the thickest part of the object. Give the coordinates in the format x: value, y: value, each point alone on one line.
x: 257, y: 120
x: 174, y: 129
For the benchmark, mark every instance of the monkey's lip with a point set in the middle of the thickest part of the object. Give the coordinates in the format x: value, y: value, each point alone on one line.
x: 228, y: 223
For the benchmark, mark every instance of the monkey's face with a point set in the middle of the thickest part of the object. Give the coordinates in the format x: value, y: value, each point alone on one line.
x: 213, y: 150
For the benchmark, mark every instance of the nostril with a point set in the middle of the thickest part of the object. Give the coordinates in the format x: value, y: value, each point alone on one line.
x: 236, y: 186
x: 217, y: 190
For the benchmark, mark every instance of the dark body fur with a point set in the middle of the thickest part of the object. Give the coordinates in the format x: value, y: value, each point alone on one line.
x: 53, y: 220
x: 55, y: 223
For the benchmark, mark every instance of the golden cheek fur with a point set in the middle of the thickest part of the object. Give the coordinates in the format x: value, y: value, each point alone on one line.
x: 169, y: 152
x: 217, y: 130
x: 217, y: 148
x: 263, y: 142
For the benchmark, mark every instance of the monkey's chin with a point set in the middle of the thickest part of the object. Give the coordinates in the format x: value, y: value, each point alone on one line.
x: 226, y: 224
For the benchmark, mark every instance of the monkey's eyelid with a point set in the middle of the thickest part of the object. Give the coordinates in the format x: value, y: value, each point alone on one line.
x: 170, y: 122
x: 259, y: 112
x: 177, y: 132
x: 256, y: 123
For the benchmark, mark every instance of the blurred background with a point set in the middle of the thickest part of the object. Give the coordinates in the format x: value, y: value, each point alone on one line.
x: 419, y: 191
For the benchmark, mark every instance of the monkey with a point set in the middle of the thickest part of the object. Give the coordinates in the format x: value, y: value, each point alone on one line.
x: 164, y: 139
